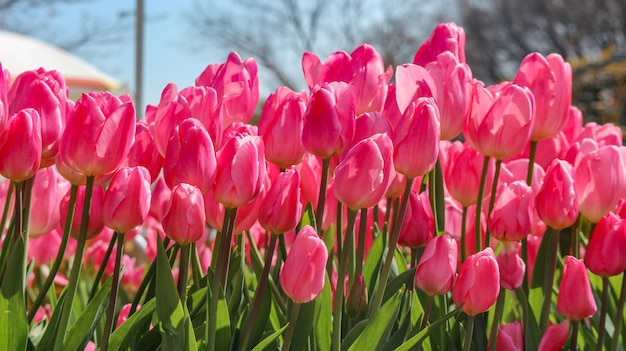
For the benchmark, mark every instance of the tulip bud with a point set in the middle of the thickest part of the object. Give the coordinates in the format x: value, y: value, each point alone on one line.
x: 512, y: 215
x: 510, y: 337
x: 556, y: 202
x: 605, y: 252
x: 281, y: 208
x: 356, y: 302
x: 575, y: 299
x: 127, y: 199
x: 511, y: 266
x: 445, y: 37
x: 478, y: 283
x: 20, y: 146
x: 184, y: 220
x: 436, y: 269
x: 555, y: 337
x: 304, y: 271
x: 418, y: 225
x: 462, y: 172
x: 95, y: 224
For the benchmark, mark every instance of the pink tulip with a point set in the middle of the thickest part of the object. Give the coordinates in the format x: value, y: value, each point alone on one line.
x: 416, y: 139
x: 436, y: 269
x: 184, y: 220
x: 391, y: 111
x: 356, y: 301
x: 48, y: 190
x: 237, y: 86
x: 445, y: 37
x: 245, y: 218
x: 46, y: 92
x: 557, y: 202
x: 462, y: 173
x: 20, y: 146
x: 240, y: 171
x: 603, y: 134
x: 500, y: 123
x: 144, y: 152
x: 478, y: 283
x: 127, y: 199
x: 418, y: 225
x: 329, y: 119
x: 555, y: 337
x: 281, y: 125
x: 95, y: 224
x: 364, y: 175
x: 510, y: 337
x: 281, y: 208
x: 550, y: 80
x: 512, y: 215
x: 190, y: 156
x: 575, y: 299
x: 600, y: 178
x: 99, y: 133
x: 201, y: 103
x: 304, y: 270
x: 605, y: 252
x: 368, y: 124
x: 574, y: 124
x: 310, y: 172
x: 511, y: 266
x: 77, y: 178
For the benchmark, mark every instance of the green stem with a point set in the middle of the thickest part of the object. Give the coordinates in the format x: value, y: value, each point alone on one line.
x: 479, y: 202
x: 492, y: 199
x: 321, y: 199
x: 463, y: 233
x: 553, y: 235
x: 341, y: 274
x: 66, y: 311
x: 440, y: 205
x: 260, y: 292
x: 59, y: 258
x: 15, y: 230
x: 576, y: 229
x: 360, y: 252
x: 196, y: 266
x: 183, y: 272
x: 293, y: 319
x: 469, y: 329
x: 603, y: 309
x: 393, y: 241
x: 496, y: 320
x: 115, y: 284
x: 100, y: 273
x: 619, y: 318
x: 429, y: 305
x: 531, y: 162
x: 432, y: 186
x: 529, y: 181
x: 146, y: 280
x: 573, y: 342
x: 7, y: 206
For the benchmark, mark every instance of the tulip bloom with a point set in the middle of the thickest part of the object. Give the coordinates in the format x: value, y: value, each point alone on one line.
x: 605, y: 252
x: 445, y: 37
x: 511, y: 266
x: 184, y: 220
x: 416, y: 139
x: 555, y: 337
x: 600, y: 178
x: 462, y: 171
x: 510, y: 337
x: 418, y: 224
x: 364, y: 175
x: 99, y: 133
x: 127, y: 199
x: 144, y: 152
x: 20, y: 146
x: 575, y: 299
x: 190, y: 156
x: 550, y: 80
x: 556, y: 202
x: 329, y: 119
x: 280, y: 126
x: 436, y: 269
x: 95, y: 224
x: 303, y: 273
x: 281, y: 208
x: 478, y: 283
x: 512, y: 215
x: 48, y: 190
x: 500, y: 123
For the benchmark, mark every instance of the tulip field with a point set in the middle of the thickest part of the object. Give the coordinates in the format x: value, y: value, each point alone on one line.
x: 381, y: 208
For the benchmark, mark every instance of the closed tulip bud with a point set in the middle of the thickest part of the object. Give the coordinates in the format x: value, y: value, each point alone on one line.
x: 500, y: 122
x: 99, y: 133
x: 356, y: 302
x: 95, y: 224
x: 605, y: 252
x: 240, y: 171
x: 418, y: 225
x: 557, y: 202
x: 416, y: 139
x: 555, y: 337
x: 364, y: 175
x: 127, y: 199
x: 280, y: 126
x: 329, y: 119
x: 190, y: 156
x: 281, y: 208
x: 436, y: 269
x: 550, y: 80
x: 304, y: 271
x: 512, y: 215
x: 48, y: 190
x: 511, y: 265
x: 445, y: 37
x: 462, y: 172
x: 510, y: 337
x: 478, y: 283
x: 20, y: 146
x: 575, y: 299
x: 184, y: 220
x: 144, y: 152
x: 600, y: 178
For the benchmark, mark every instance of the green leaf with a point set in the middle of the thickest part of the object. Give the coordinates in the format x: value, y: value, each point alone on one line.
x: 304, y: 324
x: 380, y: 325
x: 269, y: 339
x: 373, y: 263
x: 13, y: 323
x: 54, y: 320
x: 353, y: 334
x: 541, y: 261
x: 404, y: 279
x: 422, y: 334
x: 222, y: 329
x: 80, y: 333
x: 322, y: 327
x: 122, y: 337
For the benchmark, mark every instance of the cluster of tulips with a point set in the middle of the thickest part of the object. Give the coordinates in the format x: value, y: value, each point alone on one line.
x: 432, y: 213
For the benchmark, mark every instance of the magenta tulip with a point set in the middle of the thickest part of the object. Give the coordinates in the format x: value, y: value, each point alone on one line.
x: 144, y: 152
x: 462, y: 172
x: 436, y: 269
x: 575, y: 299
x: 48, y: 190
x: 478, y: 283
x: 304, y: 270
x: 20, y: 146
x: 605, y: 252
x: 95, y: 224
x: 127, y: 199
x: 418, y: 224
x: 281, y: 208
x: 510, y: 337
x: 512, y: 215
x: 445, y: 37
x: 557, y: 202
x: 555, y: 337
x: 184, y: 220
x: 511, y: 266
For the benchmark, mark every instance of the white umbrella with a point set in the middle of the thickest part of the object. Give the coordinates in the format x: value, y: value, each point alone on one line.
x: 19, y: 53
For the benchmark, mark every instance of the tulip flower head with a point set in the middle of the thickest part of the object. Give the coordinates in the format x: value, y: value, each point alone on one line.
x: 20, y: 146
x: 478, y: 283
x: 605, y: 252
x: 127, y: 199
x: 184, y: 220
x: 575, y: 299
x: 436, y: 269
